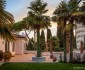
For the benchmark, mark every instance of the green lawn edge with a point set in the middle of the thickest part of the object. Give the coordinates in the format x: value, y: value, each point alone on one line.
x: 42, y: 66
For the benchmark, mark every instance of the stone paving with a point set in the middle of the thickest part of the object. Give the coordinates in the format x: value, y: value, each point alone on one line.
x: 28, y: 57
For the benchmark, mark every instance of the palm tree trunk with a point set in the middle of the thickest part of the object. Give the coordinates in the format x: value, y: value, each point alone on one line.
x: 51, y: 47
x: 64, y: 40
x: 71, y: 44
x: 38, y: 43
x: 64, y: 43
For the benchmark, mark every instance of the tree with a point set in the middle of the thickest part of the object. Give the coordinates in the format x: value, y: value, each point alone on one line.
x: 37, y: 19
x: 42, y: 40
x: 30, y: 45
x: 59, y: 30
x: 55, y: 43
x: 49, y: 35
x: 60, y: 16
x: 80, y: 14
x: 74, y: 45
x: 73, y: 6
x: 5, y: 18
x: 66, y: 13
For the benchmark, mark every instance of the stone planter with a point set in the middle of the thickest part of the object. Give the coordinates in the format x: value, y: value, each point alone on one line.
x: 38, y: 59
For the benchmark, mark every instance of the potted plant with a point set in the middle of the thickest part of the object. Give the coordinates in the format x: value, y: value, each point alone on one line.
x: 1, y: 55
x: 51, y: 55
x: 54, y: 59
x: 7, y: 56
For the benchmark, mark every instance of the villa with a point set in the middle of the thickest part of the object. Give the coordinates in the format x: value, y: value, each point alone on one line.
x: 80, y: 33
x: 16, y: 47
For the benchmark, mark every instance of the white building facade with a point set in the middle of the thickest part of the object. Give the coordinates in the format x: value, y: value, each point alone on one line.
x: 17, y: 46
x: 80, y: 33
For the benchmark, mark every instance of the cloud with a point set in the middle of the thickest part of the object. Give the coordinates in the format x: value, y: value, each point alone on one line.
x: 22, y: 12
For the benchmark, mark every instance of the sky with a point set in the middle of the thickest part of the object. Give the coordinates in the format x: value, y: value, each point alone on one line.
x: 19, y: 10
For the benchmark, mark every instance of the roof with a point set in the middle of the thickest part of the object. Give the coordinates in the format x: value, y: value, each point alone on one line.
x: 20, y: 36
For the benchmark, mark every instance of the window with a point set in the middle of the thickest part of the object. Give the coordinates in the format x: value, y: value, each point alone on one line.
x: 13, y: 47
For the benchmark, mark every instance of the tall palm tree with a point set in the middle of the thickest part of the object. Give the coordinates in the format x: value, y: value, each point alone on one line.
x: 73, y: 6
x: 60, y: 16
x: 38, y: 20
x: 5, y: 18
x: 65, y: 12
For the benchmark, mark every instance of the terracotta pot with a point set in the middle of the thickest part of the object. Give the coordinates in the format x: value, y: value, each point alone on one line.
x: 6, y: 60
x: 54, y: 59
x: 1, y: 59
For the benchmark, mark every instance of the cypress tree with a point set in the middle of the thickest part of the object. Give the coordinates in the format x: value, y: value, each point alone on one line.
x: 49, y: 35
x: 42, y: 40
x: 60, y: 35
x: 55, y: 43
x: 30, y: 45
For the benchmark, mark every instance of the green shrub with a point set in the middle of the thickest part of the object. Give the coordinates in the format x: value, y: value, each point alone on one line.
x: 59, y: 49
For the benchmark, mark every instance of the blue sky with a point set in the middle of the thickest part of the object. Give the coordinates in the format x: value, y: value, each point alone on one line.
x: 19, y: 10
x: 19, y: 7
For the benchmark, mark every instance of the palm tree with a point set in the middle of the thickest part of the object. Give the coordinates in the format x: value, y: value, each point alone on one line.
x: 65, y: 13
x: 5, y: 18
x: 73, y: 6
x: 60, y: 16
x: 38, y: 20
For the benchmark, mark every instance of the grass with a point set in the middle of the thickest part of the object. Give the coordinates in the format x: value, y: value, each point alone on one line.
x: 42, y: 66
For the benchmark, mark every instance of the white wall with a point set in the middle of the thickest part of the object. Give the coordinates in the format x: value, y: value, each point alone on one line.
x: 19, y: 46
x: 11, y: 47
x: 80, y: 32
x: 2, y: 46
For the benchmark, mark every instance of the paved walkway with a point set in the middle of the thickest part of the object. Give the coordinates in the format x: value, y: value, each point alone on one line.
x: 28, y: 57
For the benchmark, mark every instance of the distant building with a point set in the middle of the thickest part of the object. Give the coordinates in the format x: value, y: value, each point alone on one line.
x: 80, y: 32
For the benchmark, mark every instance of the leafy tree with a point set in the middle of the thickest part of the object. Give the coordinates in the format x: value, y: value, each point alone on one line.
x: 55, y: 43
x: 49, y: 35
x: 30, y: 45
x: 42, y: 40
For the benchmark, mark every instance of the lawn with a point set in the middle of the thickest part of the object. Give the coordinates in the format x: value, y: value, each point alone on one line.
x: 42, y: 66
